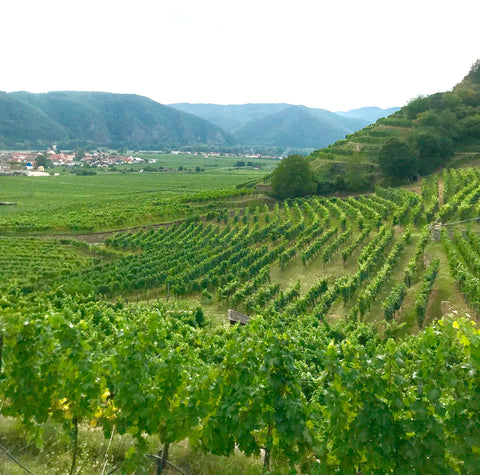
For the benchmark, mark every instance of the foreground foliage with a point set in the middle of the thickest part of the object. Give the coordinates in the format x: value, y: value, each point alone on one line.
x: 324, y: 399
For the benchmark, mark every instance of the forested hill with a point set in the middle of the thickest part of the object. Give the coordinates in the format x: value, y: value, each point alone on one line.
x: 234, y: 117
x: 428, y: 133
x: 282, y: 125
x: 99, y: 119
x: 298, y: 126
x: 75, y: 119
x: 230, y: 117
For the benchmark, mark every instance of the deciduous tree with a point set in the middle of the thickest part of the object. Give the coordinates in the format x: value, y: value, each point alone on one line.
x: 397, y: 159
x: 293, y: 177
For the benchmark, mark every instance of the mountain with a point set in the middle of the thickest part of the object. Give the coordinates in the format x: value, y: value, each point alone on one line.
x: 99, y: 119
x: 96, y: 119
x: 298, y: 127
x: 371, y: 114
x: 230, y: 117
x: 278, y: 125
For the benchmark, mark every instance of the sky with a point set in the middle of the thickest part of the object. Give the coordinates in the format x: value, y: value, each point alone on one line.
x: 336, y: 55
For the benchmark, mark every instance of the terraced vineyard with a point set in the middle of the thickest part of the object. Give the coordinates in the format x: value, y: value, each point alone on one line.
x: 344, y: 257
x: 344, y: 367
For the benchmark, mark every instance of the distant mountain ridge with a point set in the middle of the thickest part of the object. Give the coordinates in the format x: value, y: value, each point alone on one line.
x: 230, y: 117
x: 299, y: 127
x: 75, y: 119
x: 284, y: 125
x: 372, y: 114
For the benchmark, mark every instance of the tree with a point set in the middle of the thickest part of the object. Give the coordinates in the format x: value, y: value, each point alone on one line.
x: 433, y: 150
x: 293, y: 177
x: 357, y: 174
x: 80, y: 153
x: 416, y: 106
x: 471, y: 126
x: 199, y: 316
x: 428, y: 118
x: 43, y: 161
x: 397, y: 159
x: 474, y: 73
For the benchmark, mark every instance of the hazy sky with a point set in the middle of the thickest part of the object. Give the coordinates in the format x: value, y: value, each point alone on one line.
x: 337, y: 55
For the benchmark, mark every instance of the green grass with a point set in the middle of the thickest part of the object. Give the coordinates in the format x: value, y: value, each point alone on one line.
x: 112, y: 200
x: 97, y: 455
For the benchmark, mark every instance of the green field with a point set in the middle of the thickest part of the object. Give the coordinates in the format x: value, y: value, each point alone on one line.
x: 113, y: 200
x: 361, y: 353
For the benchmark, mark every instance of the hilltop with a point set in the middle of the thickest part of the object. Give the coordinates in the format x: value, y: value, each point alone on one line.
x: 77, y: 119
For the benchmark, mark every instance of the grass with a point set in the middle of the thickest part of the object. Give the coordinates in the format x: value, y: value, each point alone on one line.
x: 55, y: 457
x: 215, y: 310
x: 112, y: 200
x: 445, y: 298
x: 97, y: 455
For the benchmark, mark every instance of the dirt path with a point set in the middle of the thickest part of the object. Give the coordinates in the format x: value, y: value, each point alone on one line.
x: 441, y: 186
x: 100, y: 236
x: 97, y: 237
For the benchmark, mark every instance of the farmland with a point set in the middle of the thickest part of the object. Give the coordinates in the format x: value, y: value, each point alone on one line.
x: 109, y: 200
x: 361, y: 354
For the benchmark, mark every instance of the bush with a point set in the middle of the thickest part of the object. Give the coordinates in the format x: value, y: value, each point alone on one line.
x: 433, y: 150
x: 292, y: 178
x: 84, y: 172
x: 397, y: 159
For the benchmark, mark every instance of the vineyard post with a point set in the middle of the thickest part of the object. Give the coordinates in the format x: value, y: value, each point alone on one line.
x: 74, y: 436
x: 268, y: 448
x: 1, y: 351
x: 162, y: 461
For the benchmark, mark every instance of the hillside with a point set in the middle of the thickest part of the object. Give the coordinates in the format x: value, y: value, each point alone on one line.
x: 278, y: 125
x: 99, y: 119
x: 298, y: 126
x: 232, y: 116
x: 423, y: 136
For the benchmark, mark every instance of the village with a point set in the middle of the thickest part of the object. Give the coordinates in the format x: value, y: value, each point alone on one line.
x: 28, y: 163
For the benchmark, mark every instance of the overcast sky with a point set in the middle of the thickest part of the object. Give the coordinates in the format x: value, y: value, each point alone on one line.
x: 336, y: 54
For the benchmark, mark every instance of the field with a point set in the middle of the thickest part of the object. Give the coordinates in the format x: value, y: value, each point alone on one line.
x: 361, y: 353
x: 126, y: 197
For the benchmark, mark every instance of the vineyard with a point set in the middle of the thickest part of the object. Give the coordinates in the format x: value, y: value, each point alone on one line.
x: 71, y: 204
x: 361, y: 354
